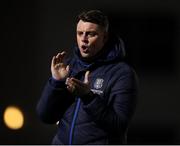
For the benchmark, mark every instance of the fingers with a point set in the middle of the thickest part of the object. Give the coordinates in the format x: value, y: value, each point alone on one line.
x: 70, y: 85
x: 72, y: 82
x: 67, y: 68
x: 77, y: 82
x: 78, y: 87
x: 57, y: 61
x: 60, y: 57
x: 53, y: 62
x: 86, y: 78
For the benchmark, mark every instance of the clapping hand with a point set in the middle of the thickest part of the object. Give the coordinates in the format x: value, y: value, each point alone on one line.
x: 58, y: 69
x: 78, y: 87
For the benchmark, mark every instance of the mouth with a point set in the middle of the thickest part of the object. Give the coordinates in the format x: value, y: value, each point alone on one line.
x: 84, y: 48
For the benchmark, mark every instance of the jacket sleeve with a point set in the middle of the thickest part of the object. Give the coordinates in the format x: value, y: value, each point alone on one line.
x: 114, y: 117
x: 54, y: 101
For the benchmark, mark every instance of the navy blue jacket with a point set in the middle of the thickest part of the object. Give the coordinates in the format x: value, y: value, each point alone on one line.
x: 99, y: 118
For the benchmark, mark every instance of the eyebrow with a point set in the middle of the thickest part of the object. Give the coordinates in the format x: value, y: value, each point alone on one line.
x: 86, y: 31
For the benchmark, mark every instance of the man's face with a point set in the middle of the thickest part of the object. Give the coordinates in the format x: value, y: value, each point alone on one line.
x: 90, y: 38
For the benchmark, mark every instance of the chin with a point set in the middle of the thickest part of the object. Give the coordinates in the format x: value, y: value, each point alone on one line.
x: 85, y: 55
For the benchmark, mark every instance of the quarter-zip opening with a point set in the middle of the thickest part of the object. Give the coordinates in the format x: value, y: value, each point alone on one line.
x: 74, y: 121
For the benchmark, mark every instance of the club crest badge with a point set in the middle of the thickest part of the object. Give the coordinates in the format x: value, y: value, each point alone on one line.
x: 98, y: 83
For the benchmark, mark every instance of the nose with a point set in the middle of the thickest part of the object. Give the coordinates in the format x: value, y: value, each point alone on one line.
x: 84, y: 38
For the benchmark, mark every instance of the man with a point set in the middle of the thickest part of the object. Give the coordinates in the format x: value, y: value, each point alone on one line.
x: 93, y: 93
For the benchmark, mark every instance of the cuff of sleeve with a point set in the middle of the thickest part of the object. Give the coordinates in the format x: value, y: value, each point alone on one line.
x: 57, y: 83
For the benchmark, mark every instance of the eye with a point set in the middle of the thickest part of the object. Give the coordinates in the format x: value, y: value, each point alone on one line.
x: 91, y: 34
x: 79, y: 33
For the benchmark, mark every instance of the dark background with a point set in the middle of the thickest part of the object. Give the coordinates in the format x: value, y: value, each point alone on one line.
x: 33, y: 31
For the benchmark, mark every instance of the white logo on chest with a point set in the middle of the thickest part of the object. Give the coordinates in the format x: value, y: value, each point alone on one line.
x: 98, y: 83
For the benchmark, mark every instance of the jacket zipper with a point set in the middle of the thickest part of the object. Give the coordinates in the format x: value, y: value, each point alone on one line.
x: 73, y: 121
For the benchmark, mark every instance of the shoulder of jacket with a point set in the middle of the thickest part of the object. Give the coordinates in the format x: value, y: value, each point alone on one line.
x: 124, y: 68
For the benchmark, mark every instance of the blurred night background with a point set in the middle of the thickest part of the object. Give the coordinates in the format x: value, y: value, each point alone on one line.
x: 33, y: 31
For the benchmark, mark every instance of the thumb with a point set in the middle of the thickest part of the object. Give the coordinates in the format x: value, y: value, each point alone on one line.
x: 67, y: 68
x: 86, y: 78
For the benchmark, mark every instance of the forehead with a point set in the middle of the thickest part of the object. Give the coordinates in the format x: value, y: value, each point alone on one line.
x: 87, y: 26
